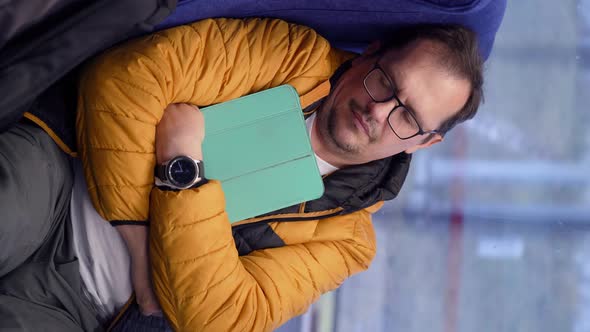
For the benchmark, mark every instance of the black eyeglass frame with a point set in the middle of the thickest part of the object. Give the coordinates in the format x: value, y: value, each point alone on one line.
x: 399, y: 103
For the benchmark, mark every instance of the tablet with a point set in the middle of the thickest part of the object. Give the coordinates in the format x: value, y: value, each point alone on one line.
x: 257, y: 146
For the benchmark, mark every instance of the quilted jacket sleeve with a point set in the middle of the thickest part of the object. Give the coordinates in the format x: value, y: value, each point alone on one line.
x: 203, y: 285
x: 124, y: 92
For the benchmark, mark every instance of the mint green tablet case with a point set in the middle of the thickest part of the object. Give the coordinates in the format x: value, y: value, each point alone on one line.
x: 258, y: 147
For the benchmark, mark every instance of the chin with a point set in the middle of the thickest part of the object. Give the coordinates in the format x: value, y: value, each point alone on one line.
x: 339, y: 132
x: 346, y: 142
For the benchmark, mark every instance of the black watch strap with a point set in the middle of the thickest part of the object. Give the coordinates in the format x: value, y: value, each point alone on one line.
x: 201, y: 169
x: 160, y: 172
x: 196, y: 185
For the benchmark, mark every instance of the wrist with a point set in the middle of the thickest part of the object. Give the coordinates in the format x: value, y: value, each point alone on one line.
x: 173, y: 151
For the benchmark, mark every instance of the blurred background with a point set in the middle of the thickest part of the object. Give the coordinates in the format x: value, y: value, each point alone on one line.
x: 492, y: 229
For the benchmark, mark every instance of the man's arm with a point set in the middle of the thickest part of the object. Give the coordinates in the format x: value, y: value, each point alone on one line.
x: 203, y: 285
x: 136, y: 240
x: 176, y: 134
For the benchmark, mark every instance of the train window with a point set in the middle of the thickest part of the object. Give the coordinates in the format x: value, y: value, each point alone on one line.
x: 492, y: 229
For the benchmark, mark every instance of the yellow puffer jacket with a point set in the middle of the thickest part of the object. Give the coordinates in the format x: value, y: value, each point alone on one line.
x: 124, y: 93
x: 202, y: 282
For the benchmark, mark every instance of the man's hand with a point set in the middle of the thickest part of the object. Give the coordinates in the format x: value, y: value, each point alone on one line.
x: 136, y: 239
x: 180, y: 132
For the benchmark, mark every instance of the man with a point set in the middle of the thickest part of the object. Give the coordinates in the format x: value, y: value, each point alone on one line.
x: 386, y: 103
x: 136, y: 112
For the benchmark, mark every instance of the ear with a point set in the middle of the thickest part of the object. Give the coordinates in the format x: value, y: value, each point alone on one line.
x: 370, y: 50
x: 436, y: 139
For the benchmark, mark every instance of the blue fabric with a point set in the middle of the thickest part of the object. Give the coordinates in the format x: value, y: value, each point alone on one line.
x: 134, y: 321
x: 352, y: 24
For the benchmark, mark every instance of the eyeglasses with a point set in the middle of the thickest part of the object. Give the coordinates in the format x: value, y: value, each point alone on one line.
x: 381, y: 89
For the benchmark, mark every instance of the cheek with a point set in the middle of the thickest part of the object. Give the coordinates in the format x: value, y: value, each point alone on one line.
x: 350, y: 88
x: 390, y: 145
x: 339, y: 118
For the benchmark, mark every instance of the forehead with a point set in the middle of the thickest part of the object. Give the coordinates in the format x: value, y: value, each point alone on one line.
x: 420, y: 54
x: 424, y: 83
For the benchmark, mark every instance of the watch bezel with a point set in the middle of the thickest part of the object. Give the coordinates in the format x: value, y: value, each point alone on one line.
x: 171, y: 179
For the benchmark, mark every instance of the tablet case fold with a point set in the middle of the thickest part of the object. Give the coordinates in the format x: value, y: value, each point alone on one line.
x: 258, y: 147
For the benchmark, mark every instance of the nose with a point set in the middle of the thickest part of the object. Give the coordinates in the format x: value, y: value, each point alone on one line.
x: 380, y: 111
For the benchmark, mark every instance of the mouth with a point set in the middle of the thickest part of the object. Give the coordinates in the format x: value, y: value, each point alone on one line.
x: 360, y: 123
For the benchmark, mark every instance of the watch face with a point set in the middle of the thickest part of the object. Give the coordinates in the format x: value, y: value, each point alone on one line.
x: 182, y: 171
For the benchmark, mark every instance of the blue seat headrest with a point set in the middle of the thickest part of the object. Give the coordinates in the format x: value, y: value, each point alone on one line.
x: 352, y: 24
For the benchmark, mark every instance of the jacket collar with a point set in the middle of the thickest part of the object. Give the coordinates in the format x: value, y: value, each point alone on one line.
x: 357, y: 187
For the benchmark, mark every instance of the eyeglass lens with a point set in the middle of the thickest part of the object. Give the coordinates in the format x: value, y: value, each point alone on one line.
x: 400, y: 120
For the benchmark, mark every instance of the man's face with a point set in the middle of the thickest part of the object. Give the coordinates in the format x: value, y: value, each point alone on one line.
x: 355, y: 128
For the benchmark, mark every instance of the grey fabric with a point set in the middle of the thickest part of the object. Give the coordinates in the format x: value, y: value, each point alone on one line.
x: 34, y: 182
x: 17, y: 15
x: 43, y: 43
x: 40, y: 286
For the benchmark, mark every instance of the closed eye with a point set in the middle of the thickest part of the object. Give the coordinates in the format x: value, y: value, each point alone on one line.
x: 407, y: 117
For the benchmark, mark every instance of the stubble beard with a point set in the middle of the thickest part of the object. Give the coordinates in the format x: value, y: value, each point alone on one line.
x: 329, y: 132
x: 349, y: 148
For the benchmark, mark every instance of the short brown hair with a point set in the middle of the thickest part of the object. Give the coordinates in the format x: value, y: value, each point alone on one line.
x: 462, y: 58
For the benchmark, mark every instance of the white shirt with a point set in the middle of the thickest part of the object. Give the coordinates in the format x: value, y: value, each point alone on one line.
x: 102, y: 253
x: 325, y: 167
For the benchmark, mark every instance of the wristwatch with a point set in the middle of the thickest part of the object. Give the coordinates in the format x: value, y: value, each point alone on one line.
x: 181, y: 172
